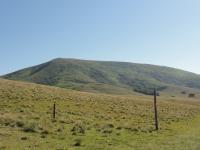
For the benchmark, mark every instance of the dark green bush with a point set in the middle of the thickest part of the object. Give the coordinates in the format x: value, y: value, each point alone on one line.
x: 29, y: 127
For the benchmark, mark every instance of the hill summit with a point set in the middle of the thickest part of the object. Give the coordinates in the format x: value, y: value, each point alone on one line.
x: 106, y: 76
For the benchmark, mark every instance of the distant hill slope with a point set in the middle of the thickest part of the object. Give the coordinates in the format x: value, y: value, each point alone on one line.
x: 106, y: 77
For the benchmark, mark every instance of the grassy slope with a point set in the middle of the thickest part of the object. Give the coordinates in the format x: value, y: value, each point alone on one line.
x: 96, y: 121
x: 106, y: 77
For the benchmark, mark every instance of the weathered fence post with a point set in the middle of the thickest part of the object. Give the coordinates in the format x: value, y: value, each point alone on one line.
x: 155, y: 109
x: 54, y: 110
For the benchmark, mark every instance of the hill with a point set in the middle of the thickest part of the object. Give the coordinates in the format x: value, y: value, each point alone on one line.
x: 106, y: 77
x: 93, y: 121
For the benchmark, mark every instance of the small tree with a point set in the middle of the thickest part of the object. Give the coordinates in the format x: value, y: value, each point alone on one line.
x: 191, y: 95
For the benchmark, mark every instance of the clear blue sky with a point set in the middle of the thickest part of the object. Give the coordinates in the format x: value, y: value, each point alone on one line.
x: 162, y: 32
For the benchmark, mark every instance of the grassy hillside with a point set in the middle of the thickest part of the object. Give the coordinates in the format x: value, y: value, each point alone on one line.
x: 89, y: 121
x: 106, y: 77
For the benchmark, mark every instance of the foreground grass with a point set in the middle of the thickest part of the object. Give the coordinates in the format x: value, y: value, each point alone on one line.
x: 93, y: 121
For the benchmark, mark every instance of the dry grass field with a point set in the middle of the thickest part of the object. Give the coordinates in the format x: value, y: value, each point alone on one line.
x: 89, y: 121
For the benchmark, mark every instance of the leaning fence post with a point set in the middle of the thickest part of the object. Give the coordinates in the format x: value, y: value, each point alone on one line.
x: 155, y: 109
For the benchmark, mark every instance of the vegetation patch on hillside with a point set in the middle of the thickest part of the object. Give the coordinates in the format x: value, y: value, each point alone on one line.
x: 85, y: 120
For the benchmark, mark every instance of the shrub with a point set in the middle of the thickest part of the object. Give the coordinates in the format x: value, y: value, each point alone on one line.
x: 109, y: 125
x: 119, y: 128
x: 77, y: 142
x: 19, y: 124
x: 191, y: 95
x: 78, y: 129
x: 107, y: 131
x: 45, y: 132
x: 43, y: 136
x: 30, y: 127
x: 107, y: 128
x: 24, y: 138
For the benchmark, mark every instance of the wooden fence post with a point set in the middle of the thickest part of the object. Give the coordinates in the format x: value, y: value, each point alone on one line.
x: 155, y: 109
x: 54, y: 110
